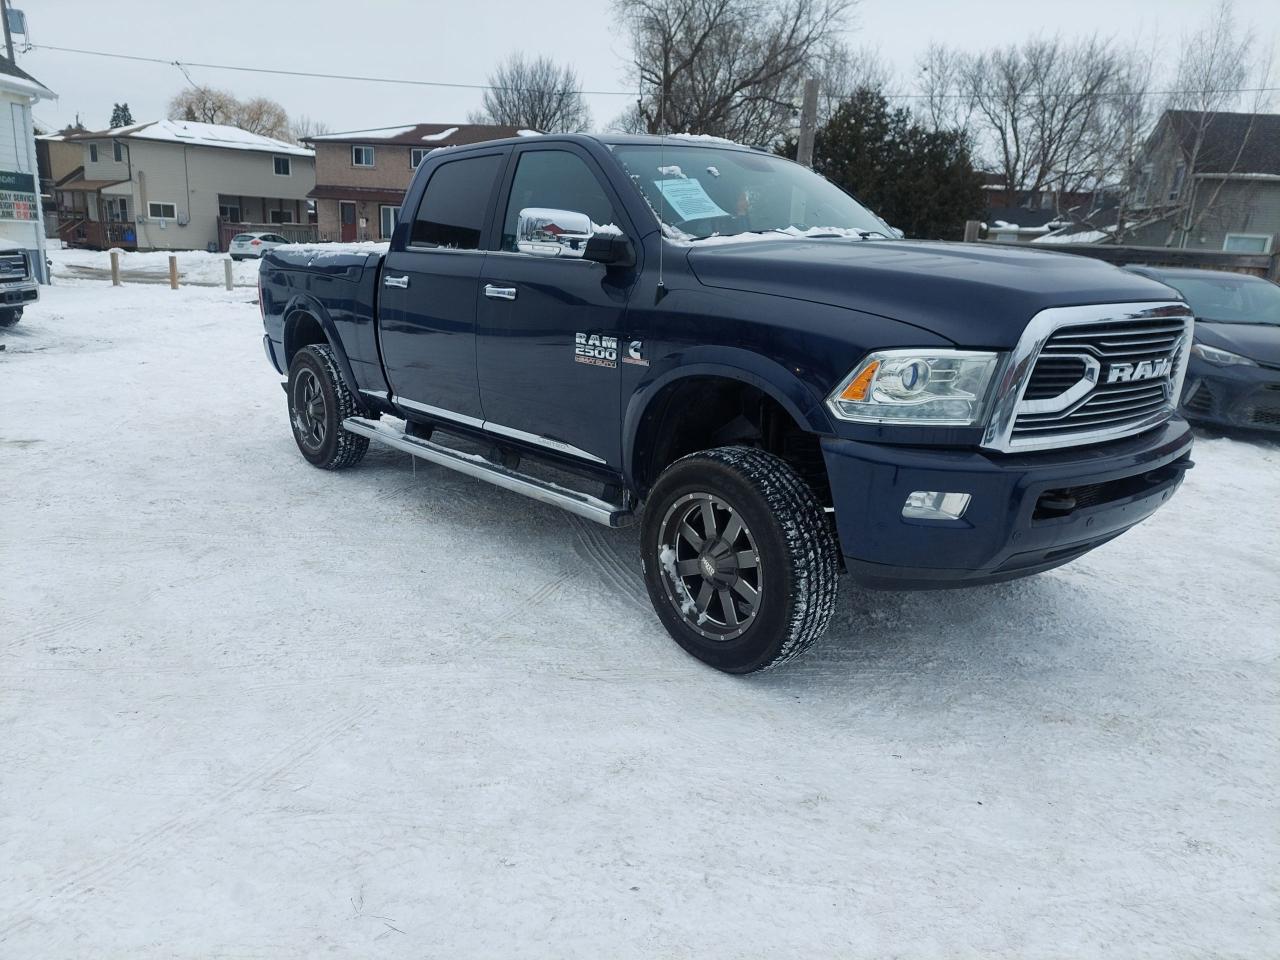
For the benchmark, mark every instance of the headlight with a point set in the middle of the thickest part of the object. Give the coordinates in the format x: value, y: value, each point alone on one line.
x: 1223, y: 358
x: 926, y: 387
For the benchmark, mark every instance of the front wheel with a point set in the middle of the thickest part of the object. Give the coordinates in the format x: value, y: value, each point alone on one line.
x: 318, y: 403
x: 9, y: 317
x: 739, y: 559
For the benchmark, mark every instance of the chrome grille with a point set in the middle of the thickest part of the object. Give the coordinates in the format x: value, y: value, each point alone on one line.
x: 13, y: 265
x: 1088, y: 374
x: 1115, y: 403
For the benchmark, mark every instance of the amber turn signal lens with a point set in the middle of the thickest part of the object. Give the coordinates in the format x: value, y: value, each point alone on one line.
x: 861, y: 384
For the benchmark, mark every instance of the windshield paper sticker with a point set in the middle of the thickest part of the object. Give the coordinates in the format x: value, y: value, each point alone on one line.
x: 688, y: 199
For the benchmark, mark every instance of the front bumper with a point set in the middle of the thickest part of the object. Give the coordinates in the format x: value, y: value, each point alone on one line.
x: 16, y: 293
x: 1235, y: 396
x: 1029, y: 512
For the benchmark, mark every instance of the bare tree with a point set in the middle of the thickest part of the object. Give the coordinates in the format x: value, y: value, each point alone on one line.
x: 844, y: 70
x: 729, y: 68
x: 538, y: 94
x: 262, y: 116
x: 943, y: 104
x: 1215, y: 64
x: 258, y: 115
x: 305, y: 126
x: 1038, y: 109
x: 203, y: 104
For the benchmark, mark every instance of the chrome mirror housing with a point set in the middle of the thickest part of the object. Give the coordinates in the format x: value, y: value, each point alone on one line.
x: 545, y: 232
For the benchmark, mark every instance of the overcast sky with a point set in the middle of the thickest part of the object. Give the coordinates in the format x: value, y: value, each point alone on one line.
x: 459, y: 41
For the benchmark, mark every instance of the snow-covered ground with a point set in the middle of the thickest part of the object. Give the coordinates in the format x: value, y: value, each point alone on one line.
x: 251, y: 709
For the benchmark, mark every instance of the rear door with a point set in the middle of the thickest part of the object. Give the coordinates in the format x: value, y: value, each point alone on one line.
x: 427, y: 303
x: 550, y: 329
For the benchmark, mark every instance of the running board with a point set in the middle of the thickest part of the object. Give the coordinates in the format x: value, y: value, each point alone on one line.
x: 601, y: 511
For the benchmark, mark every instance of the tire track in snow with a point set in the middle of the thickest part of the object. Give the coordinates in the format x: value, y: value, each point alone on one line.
x: 78, y: 882
x: 593, y: 546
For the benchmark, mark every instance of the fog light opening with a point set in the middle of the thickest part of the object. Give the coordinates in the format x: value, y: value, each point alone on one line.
x: 935, y: 505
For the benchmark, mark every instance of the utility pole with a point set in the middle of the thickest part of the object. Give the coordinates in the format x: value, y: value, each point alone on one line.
x: 808, y: 122
x: 8, y: 37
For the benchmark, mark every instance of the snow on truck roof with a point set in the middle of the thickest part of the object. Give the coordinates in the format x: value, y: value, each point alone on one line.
x: 199, y: 135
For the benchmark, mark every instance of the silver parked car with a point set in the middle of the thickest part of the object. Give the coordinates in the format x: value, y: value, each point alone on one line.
x: 246, y: 245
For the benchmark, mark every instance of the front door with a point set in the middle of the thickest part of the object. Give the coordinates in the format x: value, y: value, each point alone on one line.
x: 347, y: 217
x: 550, y: 328
x: 427, y: 303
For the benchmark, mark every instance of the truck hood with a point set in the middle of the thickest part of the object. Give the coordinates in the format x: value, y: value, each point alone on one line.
x: 976, y: 295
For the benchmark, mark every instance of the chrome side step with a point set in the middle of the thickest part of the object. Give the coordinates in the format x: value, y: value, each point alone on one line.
x: 609, y: 514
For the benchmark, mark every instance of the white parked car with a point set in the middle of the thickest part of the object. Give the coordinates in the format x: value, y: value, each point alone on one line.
x: 246, y: 245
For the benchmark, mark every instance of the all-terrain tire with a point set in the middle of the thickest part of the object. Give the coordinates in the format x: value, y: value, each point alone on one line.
x: 9, y: 317
x: 313, y: 375
x: 788, y: 554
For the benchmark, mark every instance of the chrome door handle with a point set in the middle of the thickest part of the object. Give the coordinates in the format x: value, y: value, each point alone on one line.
x: 401, y: 282
x: 499, y: 293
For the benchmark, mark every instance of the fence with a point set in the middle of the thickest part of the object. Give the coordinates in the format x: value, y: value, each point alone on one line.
x: 1265, y: 265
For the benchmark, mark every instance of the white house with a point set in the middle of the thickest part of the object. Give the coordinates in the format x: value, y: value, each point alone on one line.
x: 181, y: 185
x: 21, y: 221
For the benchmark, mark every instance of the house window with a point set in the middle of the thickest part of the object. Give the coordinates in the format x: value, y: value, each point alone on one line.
x: 1247, y: 243
x: 117, y: 209
x: 387, y: 221
x: 1179, y: 174
x: 162, y: 211
x: 282, y: 166
x: 93, y: 153
x: 1143, y: 187
x: 417, y: 155
x: 362, y: 156
x: 117, y: 151
x: 281, y: 216
x: 229, y: 212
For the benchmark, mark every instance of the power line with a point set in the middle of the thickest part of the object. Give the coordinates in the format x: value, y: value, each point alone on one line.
x: 182, y: 65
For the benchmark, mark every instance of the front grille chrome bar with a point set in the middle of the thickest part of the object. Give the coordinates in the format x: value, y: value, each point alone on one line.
x: 1090, y: 414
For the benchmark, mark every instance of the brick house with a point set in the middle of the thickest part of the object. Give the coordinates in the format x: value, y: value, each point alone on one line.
x: 362, y: 175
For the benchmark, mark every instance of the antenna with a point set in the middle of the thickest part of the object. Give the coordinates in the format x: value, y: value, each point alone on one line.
x: 661, y: 290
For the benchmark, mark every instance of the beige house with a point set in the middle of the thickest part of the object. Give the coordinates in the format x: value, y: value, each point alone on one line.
x: 181, y: 185
x: 362, y: 175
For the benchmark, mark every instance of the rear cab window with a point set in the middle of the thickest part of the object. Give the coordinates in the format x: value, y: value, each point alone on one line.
x: 454, y: 206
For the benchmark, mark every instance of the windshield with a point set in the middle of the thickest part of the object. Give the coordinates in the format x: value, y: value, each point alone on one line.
x: 1220, y: 299
x: 701, y: 192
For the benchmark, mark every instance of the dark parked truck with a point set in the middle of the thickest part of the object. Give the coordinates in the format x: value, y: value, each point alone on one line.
x: 724, y: 344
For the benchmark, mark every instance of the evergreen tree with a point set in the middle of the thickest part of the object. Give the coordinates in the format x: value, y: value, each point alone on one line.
x: 919, y: 180
x: 120, y: 116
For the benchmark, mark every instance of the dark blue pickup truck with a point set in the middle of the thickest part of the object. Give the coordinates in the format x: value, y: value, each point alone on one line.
x: 724, y: 344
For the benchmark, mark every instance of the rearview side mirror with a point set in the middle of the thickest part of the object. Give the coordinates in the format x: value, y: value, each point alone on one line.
x: 546, y: 232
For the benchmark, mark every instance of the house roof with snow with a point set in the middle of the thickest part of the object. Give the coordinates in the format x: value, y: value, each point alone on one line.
x: 1236, y: 143
x: 196, y: 134
x: 425, y: 134
x: 13, y: 77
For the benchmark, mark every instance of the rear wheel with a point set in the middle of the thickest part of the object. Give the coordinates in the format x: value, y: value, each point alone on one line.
x: 318, y: 403
x: 9, y: 317
x: 739, y: 558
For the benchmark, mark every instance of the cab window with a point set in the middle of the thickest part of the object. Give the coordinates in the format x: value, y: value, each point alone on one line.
x: 555, y: 179
x: 453, y: 207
